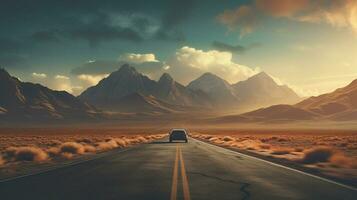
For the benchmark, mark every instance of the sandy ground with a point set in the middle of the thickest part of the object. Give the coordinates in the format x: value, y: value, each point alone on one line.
x: 327, y: 153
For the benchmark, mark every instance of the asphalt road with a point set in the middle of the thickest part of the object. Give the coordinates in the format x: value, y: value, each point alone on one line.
x: 161, y: 170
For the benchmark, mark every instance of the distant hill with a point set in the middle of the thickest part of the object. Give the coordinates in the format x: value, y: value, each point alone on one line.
x: 28, y: 101
x: 340, y: 104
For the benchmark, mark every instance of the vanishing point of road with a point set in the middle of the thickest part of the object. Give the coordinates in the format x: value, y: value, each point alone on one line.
x: 170, y: 171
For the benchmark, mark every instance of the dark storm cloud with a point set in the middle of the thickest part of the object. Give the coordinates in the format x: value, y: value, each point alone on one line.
x: 221, y: 46
x: 227, y: 47
x: 11, y: 53
x: 46, y: 36
x: 8, y: 45
x: 91, y: 21
x: 94, y: 28
x: 13, y: 61
x: 95, y: 35
x: 176, y: 13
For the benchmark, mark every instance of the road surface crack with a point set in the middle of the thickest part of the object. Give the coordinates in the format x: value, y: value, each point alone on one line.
x: 243, y: 185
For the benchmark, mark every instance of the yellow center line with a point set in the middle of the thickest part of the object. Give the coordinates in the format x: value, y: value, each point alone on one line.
x: 174, y: 178
x: 186, y: 190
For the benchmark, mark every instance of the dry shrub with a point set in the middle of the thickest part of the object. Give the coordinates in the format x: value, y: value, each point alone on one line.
x: 228, y: 138
x: 283, y: 139
x: 26, y: 154
x: 265, y: 146
x: 343, y: 144
x: 72, y: 147
x: 2, y: 161
x: 282, y: 151
x: 84, y: 140
x: 141, y: 139
x: 131, y: 141
x: 121, y: 142
x: 216, y: 140
x: 340, y: 160
x: 67, y: 155
x: 318, y: 154
x: 54, y: 143
x: 104, y: 146
x: 206, y: 137
x: 53, y: 151
x: 212, y: 139
x: 251, y: 148
x: 250, y: 144
x: 89, y: 148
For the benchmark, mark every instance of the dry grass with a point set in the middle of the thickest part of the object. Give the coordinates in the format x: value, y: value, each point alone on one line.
x: 334, y: 155
x: 15, y: 149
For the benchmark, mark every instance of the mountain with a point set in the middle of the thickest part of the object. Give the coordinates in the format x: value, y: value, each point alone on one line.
x: 340, y: 104
x: 207, y: 91
x: 109, y: 92
x: 257, y: 91
x: 173, y: 92
x: 261, y: 90
x: 118, y: 84
x: 28, y: 101
x: 219, y: 90
x: 139, y: 103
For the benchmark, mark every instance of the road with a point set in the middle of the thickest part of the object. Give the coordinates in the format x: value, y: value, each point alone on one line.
x: 162, y: 170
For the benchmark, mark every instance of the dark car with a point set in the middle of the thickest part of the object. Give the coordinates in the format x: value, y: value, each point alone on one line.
x: 178, y: 134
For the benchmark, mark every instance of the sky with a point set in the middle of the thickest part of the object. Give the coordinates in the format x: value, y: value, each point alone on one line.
x: 309, y: 45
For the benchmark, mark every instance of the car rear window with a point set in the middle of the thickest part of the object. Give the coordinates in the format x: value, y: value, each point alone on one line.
x: 178, y: 133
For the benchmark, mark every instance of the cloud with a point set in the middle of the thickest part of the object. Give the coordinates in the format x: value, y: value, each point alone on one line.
x: 57, y: 82
x: 46, y: 36
x: 340, y: 13
x: 97, y: 34
x: 11, y: 53
x: 177, y: 12
x: 221, y: 46
x: 90, y: 80
x: 104, y: 25
x: 8, y: 45
x: 98, y: 27
x: 243, y: 18
x: 17, y: 61
x: 184, y: 65
x: 61, y: 77
x: 246, y: 18
x: 96, y: 67
x: 39, y: 75
x: 189, y: 63
x: 282, y: 8
x: 138, y: 58
x: 145, y: 63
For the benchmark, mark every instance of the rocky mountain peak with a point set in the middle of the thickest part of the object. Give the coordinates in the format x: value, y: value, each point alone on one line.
x: 166, y: 78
